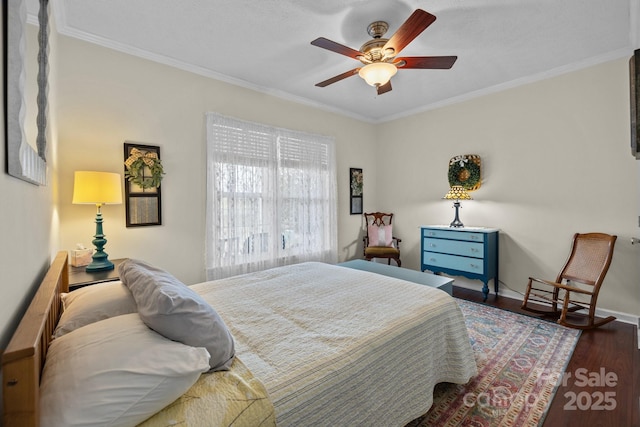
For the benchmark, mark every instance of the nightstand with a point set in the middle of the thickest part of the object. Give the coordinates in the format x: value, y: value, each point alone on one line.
x: 471, y: 252
x: 79, y: 277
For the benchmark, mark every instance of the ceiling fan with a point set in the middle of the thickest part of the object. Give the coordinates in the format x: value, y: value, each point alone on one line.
x: 379, y: 55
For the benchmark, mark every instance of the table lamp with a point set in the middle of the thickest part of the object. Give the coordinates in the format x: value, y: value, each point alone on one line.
x: 457, y: 193
x: 99, y: 188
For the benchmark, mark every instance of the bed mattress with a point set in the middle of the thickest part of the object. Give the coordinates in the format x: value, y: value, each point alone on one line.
x: 338, y: 346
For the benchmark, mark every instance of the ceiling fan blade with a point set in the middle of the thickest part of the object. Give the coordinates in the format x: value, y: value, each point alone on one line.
x: 412, y: 27
x: 336, y: 47
x: 429, y: 62
x: 384, y: 88
x: 338, y: 77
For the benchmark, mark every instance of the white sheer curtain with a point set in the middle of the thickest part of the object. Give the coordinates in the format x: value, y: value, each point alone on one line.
x: 271, y: 197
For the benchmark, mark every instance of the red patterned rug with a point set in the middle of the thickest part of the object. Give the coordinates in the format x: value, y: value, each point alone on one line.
x: 520, y: 360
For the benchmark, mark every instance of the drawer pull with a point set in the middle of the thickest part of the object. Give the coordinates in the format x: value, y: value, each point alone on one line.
x: 474, y: 266
x: 433, y: 245
x: 474, y: 250
x: 432, y: 259
x: 474, y: 237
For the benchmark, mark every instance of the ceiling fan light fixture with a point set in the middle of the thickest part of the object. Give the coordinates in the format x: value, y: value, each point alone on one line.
x: 379, y: 55
x: 378, y: 73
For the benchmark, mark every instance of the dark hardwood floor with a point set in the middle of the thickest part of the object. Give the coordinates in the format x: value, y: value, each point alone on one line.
x: 603, y: 356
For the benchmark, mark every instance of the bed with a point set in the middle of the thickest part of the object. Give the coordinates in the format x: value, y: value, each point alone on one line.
x: 327, y: 345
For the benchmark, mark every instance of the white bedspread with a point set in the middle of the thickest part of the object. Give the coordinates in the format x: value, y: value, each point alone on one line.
x: 338, y: 346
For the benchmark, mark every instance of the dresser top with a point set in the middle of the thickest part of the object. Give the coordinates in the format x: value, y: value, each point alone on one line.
x: 469, y: 229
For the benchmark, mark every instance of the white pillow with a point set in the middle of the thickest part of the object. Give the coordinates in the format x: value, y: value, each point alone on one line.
x: 93, y: 303
x: 115, y: 372
x: 176, y: 311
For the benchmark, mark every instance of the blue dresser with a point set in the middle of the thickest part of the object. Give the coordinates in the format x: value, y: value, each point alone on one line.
x: 471, y: 252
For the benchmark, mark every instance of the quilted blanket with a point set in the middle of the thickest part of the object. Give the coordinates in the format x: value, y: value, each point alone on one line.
x: 338, y: 346
x: 223, y: 398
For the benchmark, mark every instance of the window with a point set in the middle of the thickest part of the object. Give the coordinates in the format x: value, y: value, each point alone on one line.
x: 271, y: 197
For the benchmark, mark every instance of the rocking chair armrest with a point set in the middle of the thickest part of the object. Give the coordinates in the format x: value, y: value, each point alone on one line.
x: 546, y: 282
x: 561, y: 286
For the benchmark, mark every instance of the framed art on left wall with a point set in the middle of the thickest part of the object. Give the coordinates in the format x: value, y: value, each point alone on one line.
x: 355, y: 191
x: 25, y: 117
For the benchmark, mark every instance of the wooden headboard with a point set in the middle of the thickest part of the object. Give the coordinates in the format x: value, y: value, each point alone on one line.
x: 23, y: 359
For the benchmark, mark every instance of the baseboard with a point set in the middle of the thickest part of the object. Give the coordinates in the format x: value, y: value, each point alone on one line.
x: 508, y: 293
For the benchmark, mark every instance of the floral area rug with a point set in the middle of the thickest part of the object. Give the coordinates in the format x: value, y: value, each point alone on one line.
x: 521, y: 361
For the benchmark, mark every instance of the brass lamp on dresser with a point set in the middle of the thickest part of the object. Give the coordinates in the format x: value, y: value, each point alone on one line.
x: 471, y: 252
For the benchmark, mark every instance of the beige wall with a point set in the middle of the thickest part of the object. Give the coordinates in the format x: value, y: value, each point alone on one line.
x: 556, y: 160
x: 107, y: 97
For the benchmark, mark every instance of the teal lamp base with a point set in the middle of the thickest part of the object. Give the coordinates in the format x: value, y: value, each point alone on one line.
x: 100, y: 260
x: 100, y: 264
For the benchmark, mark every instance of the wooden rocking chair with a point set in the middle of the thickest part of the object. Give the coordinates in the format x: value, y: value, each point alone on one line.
x: 583, y: 273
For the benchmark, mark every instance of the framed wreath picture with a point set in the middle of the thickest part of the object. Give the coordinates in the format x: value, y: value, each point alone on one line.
x: 355, y: 191
x: 465, y: 170
x: 143, y: 174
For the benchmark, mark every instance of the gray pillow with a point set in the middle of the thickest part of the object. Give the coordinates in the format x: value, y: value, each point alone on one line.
x: 174, y: 310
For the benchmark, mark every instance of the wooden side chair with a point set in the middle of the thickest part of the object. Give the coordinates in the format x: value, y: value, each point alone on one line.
x: 582, y: 274
x: 379, y: 241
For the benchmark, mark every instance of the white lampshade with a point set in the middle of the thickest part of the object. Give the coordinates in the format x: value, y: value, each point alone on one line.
x: 97, y: 188
x: 378, y: 73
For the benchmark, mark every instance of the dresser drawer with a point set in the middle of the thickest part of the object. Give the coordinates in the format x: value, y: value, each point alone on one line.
x: 454, y: 247
x: 461, y: 263
x: 453, y: 235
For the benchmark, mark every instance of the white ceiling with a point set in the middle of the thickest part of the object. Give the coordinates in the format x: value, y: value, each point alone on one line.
x: 265, y: 45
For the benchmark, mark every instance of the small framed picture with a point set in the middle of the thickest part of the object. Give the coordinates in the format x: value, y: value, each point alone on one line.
x: 142, y: 190
x: 355, y: 191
